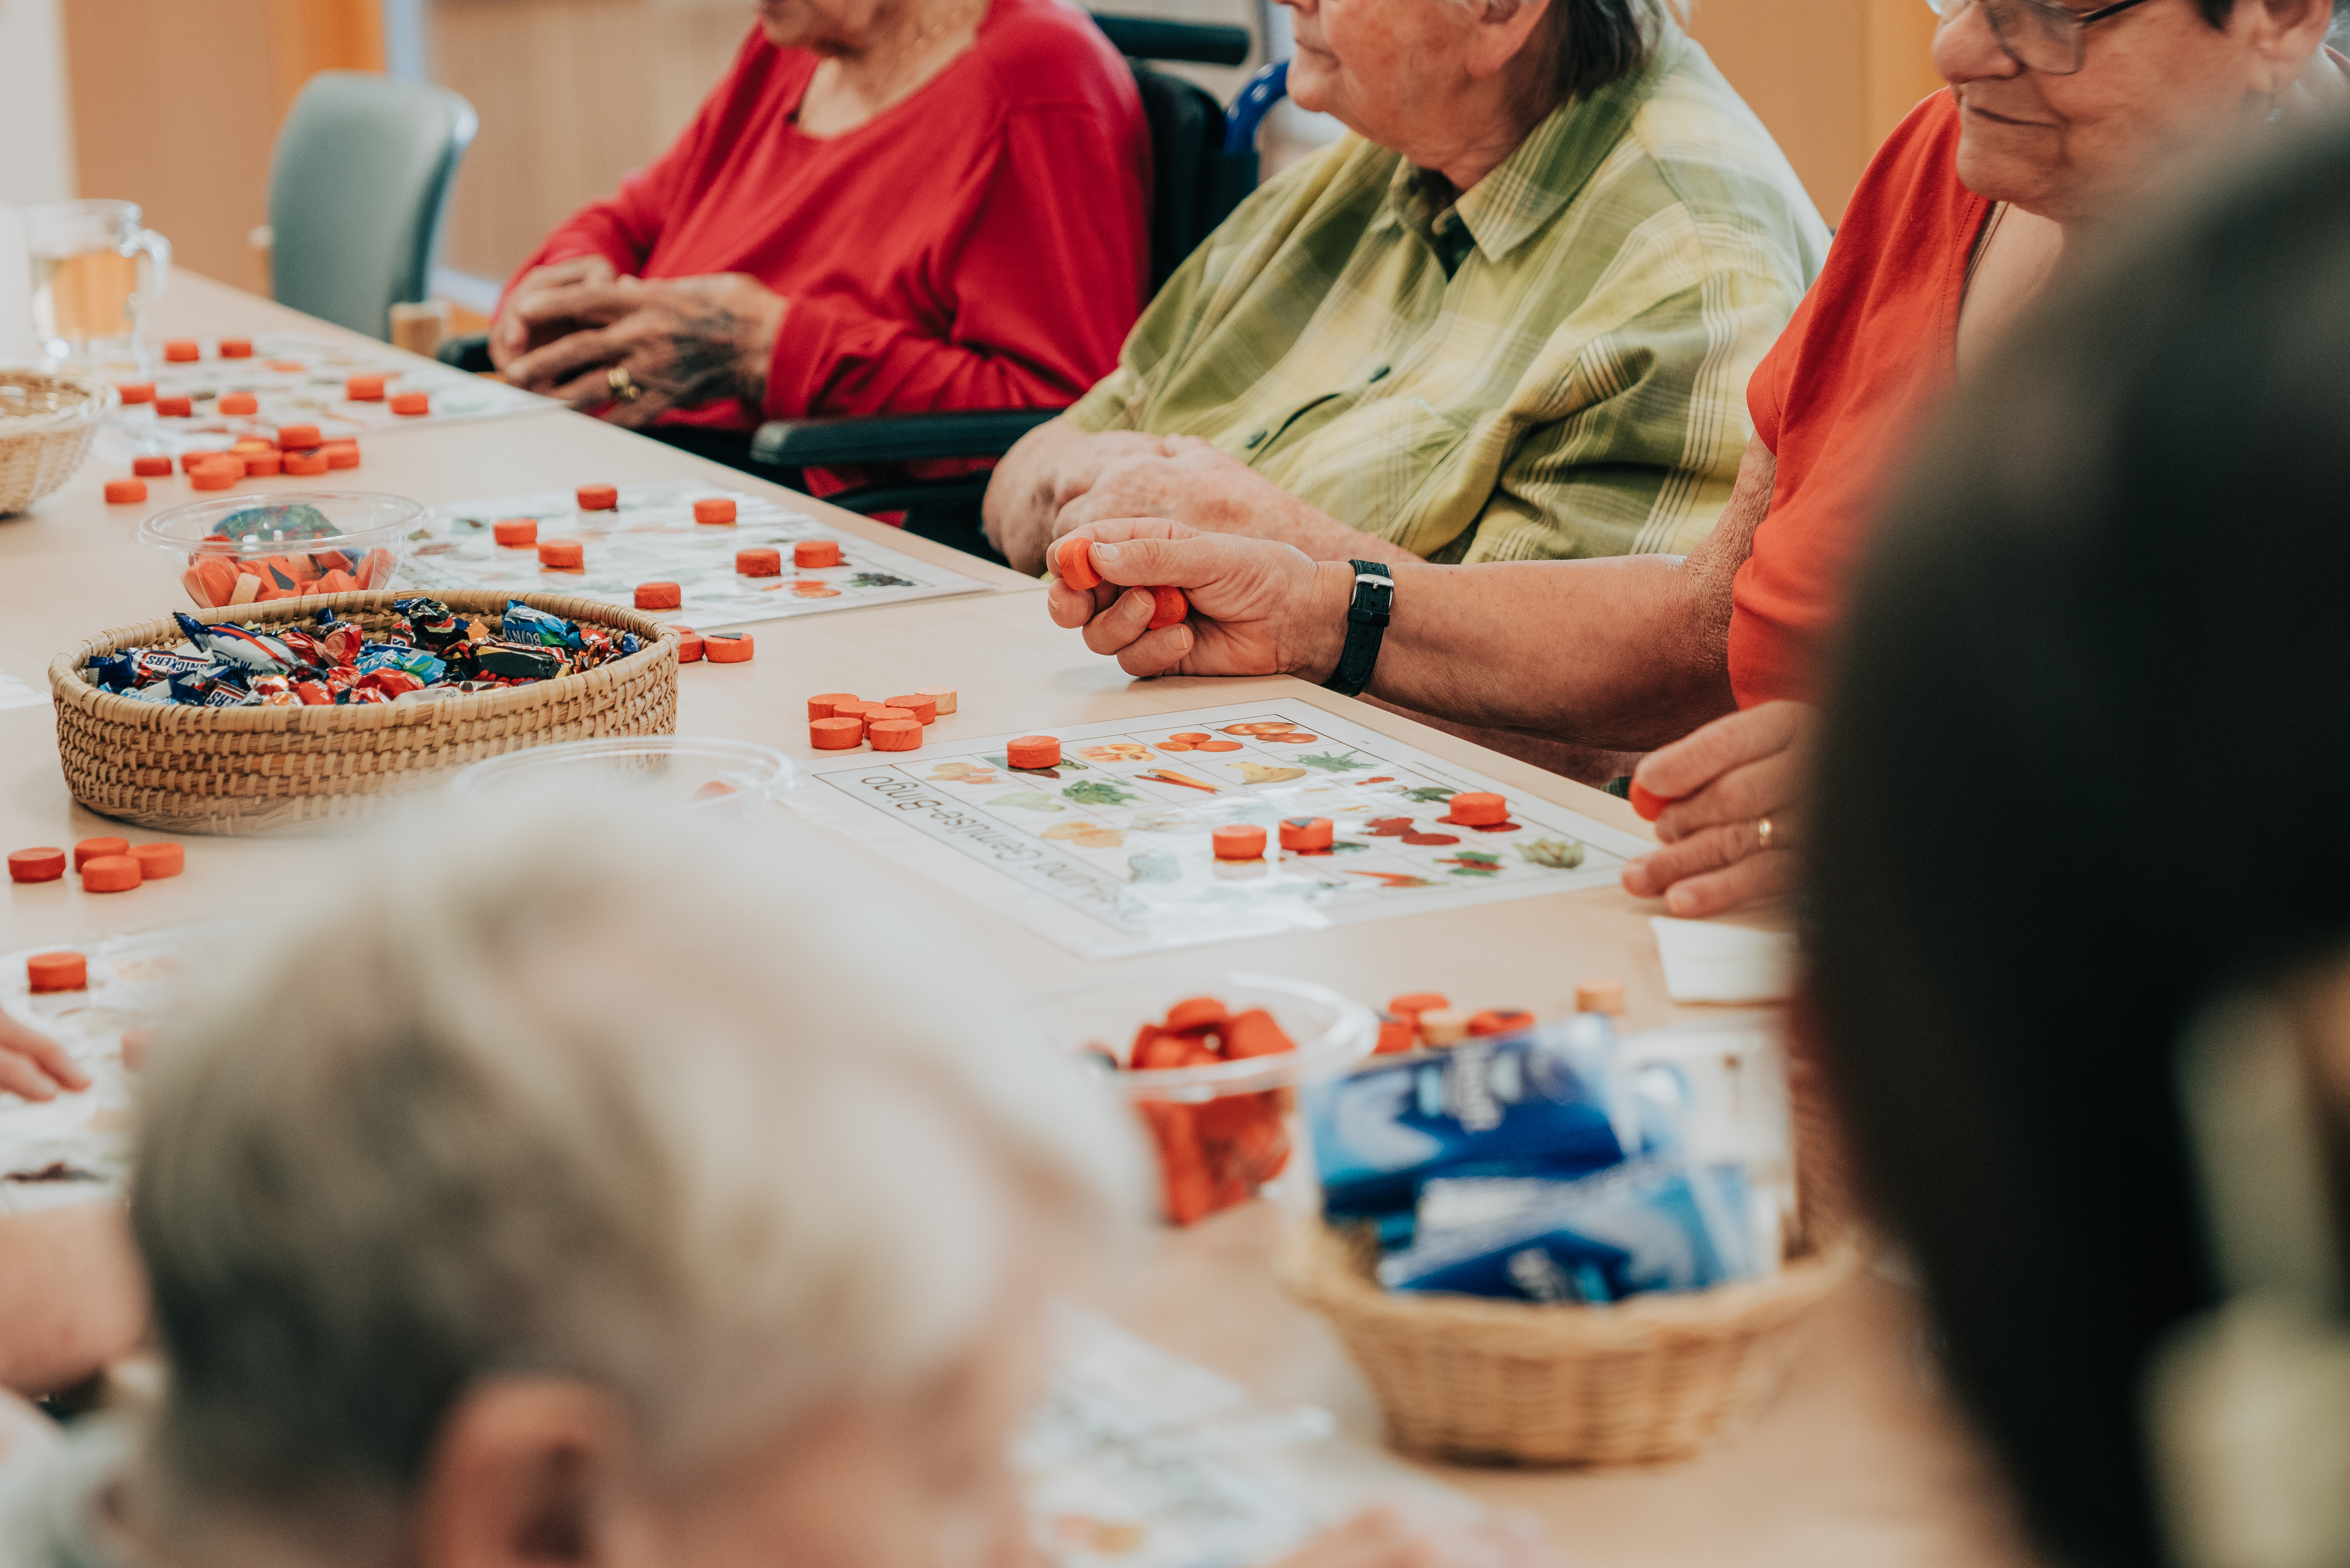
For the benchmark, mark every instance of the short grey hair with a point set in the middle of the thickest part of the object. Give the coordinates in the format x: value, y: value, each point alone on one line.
x: 1595, y: 43
x: 579, y: 1096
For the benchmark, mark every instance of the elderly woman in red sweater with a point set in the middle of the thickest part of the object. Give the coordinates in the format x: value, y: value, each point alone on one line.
x: 886, y: 206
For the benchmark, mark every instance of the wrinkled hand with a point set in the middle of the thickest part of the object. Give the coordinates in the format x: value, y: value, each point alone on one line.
x: 1190, y: 483
x: 1020, y: 514
x: 1724, y: 781
x: 34, y: 1066
x: 1393, y: 1538
x: 686, y: 341
x: 541, y: 308
x: 1257, y: 606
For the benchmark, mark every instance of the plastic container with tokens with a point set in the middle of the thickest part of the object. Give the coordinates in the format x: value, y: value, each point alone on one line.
x: 246, y: 548
x: 1331, y: 1033
x: 725, y: 780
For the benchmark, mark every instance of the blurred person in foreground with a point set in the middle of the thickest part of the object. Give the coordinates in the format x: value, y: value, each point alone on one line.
x: 1507, y: 316
x: 2056, y: 122
x: 680, y: 1234
x: 887, y: 206
x: 2078, y: 843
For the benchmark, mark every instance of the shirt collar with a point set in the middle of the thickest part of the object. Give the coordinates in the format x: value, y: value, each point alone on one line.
x: 1529, y: 187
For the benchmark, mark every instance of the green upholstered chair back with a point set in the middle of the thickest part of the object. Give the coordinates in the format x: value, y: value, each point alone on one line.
x: 356, y: 190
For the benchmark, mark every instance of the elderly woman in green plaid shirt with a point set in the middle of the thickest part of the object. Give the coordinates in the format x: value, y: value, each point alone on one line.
x: 1510, y: 317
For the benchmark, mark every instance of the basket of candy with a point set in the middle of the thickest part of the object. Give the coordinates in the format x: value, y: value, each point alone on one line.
x: 1552, y: 1247
x: 47, y: 423
x: 1211, y: 1063
x: 255, y: 549
x: 302, y: 711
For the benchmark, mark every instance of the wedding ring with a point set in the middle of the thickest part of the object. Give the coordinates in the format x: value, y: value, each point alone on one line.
x: 624, y: 386
x: 1762, y: 833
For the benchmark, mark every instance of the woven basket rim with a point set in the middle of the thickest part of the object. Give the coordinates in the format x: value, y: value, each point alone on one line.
x: 98, y: 397
x: 68, y: 686
x: 1320, y: 1268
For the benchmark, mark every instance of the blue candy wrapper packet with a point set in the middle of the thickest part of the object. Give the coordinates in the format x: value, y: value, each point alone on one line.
x: 523, y: 624
x: 427, y: 668
x: 1546, y: 1101
x: 1648, y: 1225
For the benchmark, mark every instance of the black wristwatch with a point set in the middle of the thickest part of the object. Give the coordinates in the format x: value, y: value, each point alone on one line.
x: 1367, y: 628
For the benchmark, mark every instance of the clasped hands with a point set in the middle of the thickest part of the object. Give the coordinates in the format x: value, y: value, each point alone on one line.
x: 1091, y: 478
x: 685, y: 341
x: 1260, y: 607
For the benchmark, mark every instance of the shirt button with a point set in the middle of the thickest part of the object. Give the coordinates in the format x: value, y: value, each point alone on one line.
x: 1256, y: 441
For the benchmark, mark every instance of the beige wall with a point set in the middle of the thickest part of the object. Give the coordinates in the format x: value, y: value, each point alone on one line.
x: 176, y: 105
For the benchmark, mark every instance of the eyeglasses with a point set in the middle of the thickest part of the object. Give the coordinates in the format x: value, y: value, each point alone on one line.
x: 2036, y: 35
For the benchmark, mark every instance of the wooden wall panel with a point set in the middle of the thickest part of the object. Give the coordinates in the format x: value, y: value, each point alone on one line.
x: 176, y: 105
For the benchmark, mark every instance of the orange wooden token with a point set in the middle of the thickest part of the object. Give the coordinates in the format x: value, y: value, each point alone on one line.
x: 236, y: 348
x: 1477, y: 809
x: 183, y: 350
x: 237, y: 403
x: 759, y: 562
x: 292, y: 438
x: 1034, y: 752
x: 822, y: 704
x: 43, y: 865
x: 1648, y: 803
x: 364, y: 388
x: 110, y: 873
x: 689, y: 645
x: 562, y: 555
x: 944, y: 696
x: 1500, y: 1021
x: 412, y: 403
x: 660, y: 596
x: 1196, y: 1012
x: 1240, y: 841
x: 836, y: 735
x: 122, y: 491
x: 894, y: 734
x: 173, y: 408
x: 812, y: 555
x: 264, y: 464
x: 152, y: 467
x: 57, y: 971
x: 222, y: 475
x: 135, y: 392
x: 856, y: 708
x: 305, y: 462
x: 925, y: 710
x: 886, y: 714
x: 159, y: 859
x: 188, y: 460
x: 1073, y: 559
x: 512, y: 531
x: 342, y: 453
x: 1307, y: 834
x: 600, y: 497
x: 1170, y: 608
x: 726, y: 647
x: 713, y: 509
x: 1417, y: 1002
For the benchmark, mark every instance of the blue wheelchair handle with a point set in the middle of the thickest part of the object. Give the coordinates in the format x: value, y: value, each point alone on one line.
x: 1264, y: 89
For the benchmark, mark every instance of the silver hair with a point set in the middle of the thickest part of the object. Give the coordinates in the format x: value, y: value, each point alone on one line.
x: 576, y: 1096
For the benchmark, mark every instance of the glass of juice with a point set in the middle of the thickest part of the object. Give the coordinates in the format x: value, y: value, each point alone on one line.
x: 96, y: 268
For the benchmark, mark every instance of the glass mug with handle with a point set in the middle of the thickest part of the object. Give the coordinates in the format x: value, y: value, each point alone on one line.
x: 96, y: 269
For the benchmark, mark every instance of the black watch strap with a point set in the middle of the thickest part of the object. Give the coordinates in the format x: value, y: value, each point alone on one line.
x: 1367, y: 628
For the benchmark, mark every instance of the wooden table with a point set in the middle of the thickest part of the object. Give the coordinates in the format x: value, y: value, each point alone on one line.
x: 1858, y: 1462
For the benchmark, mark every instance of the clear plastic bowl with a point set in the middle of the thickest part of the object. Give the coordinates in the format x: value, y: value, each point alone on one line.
x: 665, y: 772
x: 1331, y: 1034
x: 344, y: 539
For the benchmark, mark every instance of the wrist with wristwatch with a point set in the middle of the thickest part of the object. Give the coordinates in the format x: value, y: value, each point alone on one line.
x: 1368, y: 613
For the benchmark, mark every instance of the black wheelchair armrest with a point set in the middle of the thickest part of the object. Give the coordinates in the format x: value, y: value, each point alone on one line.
x: 893, y: 438
x: 467, y: 354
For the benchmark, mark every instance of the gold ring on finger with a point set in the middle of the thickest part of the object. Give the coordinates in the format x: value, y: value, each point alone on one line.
x: 1762, y: 833
x: 624, y: 386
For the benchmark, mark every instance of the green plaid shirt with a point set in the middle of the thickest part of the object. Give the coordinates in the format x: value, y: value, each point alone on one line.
x: 1553, y: 365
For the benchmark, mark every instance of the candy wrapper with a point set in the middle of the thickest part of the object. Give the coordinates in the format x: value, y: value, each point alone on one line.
x: 1650, y: 1225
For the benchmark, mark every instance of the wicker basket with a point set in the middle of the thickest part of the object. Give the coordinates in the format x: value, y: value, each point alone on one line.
x: 1646, y: 1381
x: 265, y: 770
x: 47, y: 423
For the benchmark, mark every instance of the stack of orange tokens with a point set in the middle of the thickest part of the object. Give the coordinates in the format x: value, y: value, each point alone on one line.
x: 839, y: 721
x: 1220, y: 1152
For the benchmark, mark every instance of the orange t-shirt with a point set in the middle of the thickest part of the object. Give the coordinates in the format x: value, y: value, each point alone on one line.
x: 1868, y: 349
